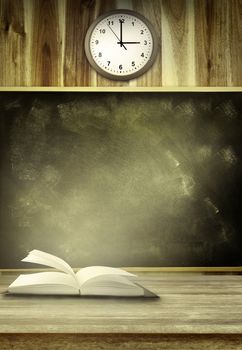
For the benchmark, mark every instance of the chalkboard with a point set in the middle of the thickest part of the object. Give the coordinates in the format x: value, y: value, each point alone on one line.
x: 122, y: 178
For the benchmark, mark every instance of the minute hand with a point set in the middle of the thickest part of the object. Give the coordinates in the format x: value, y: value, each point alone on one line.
x: 121, y: 35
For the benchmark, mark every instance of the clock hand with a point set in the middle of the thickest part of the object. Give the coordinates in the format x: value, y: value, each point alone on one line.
x: 121, y: 35
x: 113, y: 32
x: 116, y: 36
x: 121, y: 32
x: 129, y: 42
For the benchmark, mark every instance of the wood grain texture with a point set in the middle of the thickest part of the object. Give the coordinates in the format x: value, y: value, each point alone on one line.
x: 79, y: 15
x: 220, y: 44
x: 213, y: 65
x: 235, y: 23
x: 121, y: 341
x: 188, y: 304
x: 41, y: 42
x: 46, y: 55
x: 12, y: 43
x: 178, y: 65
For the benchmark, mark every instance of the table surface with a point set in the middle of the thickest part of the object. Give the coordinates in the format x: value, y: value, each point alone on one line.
x: 191, y: 303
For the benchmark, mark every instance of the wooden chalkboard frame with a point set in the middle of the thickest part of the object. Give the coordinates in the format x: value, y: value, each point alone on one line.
x: 194, y: 269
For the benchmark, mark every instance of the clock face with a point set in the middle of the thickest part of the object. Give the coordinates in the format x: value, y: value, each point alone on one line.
x: 121, y: 45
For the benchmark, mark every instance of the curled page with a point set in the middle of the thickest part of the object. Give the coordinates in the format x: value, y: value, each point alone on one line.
x: 42, y: 258
x: 91, y: 272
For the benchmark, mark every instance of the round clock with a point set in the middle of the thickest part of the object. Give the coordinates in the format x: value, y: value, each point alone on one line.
x: 121, y: 45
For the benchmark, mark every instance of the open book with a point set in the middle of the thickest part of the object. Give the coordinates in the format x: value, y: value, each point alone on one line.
x: 92, y: 280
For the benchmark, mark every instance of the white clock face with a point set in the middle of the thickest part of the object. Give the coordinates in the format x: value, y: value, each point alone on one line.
x: 120, y: 45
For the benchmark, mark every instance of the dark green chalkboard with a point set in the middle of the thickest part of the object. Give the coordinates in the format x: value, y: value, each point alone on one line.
x: 122, y: 179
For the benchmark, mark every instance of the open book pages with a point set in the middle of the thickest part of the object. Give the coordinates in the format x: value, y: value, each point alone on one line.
x: 92, y: 280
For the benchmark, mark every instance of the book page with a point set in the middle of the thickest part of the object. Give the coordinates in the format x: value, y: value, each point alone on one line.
x: 88, y: 273
x: 42, y: 258
x: 112, y: 285
x: 43, y: 278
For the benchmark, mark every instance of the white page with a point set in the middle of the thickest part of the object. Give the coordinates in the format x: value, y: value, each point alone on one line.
x: 112, y: 285
x: 42, y: 258
x: 43, y: 278
x: 50, y: 283
x: 88, y: 273
x: 116, y: 281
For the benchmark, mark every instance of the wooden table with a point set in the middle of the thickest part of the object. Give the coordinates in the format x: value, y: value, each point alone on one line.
x: 195, y: 311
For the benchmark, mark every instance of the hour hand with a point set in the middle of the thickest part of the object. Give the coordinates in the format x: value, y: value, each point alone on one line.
x: 129, y: 42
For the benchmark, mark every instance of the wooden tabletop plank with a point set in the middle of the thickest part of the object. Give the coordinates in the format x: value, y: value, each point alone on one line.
x: 188, y: 303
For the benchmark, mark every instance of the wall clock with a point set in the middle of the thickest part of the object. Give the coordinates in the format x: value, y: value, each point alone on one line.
x: 121, y: 45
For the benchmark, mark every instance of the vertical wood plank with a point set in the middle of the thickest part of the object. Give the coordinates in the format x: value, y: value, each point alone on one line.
x: 62, y: 29
x: 46, y: 44
x: 79, y: 15
x: 235, y: 39
x: 213, y: 65
x: 203, y: 61
x: 26, y: 57
x: 12, y: 43
x: 178, y: 61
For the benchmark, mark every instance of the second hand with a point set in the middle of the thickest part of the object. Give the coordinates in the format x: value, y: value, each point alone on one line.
x: 117, y: 37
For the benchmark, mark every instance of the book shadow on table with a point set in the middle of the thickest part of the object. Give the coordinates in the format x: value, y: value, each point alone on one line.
x: 89, y: 297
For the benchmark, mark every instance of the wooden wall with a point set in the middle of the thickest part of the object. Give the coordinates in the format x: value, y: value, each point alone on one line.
x: 41, y: 42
